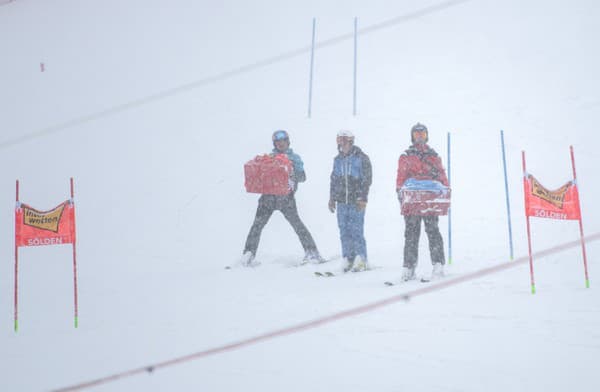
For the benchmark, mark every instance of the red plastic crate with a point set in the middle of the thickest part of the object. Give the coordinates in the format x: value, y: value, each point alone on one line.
x: 424, y: 203
x: 268, y: 175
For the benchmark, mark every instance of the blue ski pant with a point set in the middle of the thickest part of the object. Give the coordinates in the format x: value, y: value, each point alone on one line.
x: 351, y: 222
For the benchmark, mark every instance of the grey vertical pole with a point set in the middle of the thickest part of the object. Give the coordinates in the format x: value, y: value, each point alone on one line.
x: 510, y: 240
x: 449, y: 209
x: 312, y: 64
x: 355, y: 55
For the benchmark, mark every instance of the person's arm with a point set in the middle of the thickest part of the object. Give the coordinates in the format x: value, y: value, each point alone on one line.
x: 367, y: 178
x: 440, y: 171
x: 332, y: 178
x: 300, y: 177
x: 402, y: 173
x: 299, y: 174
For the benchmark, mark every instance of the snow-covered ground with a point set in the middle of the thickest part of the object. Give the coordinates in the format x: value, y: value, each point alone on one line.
x: 153, y: 107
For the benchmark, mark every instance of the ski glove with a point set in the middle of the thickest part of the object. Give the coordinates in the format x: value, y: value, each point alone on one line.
x: 331, y: 206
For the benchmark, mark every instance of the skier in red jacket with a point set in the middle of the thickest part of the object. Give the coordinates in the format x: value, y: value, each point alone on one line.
x: 421, y: 162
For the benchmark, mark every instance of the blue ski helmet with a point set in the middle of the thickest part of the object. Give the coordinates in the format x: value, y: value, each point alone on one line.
x: 280, y: 135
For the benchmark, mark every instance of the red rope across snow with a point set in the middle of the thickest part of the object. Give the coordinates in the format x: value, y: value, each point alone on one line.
x: 327, y: 319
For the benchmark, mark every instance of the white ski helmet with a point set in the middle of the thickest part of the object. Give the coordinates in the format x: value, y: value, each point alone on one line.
x: 344, y: 134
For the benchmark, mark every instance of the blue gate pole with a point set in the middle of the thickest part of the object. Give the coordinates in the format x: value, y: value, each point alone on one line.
x: 449, y: 209
x: 312, y: 64
x: 507, y: 198
x: 355, y: 56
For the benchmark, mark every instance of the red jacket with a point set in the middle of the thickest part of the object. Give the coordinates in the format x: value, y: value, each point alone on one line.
x: 422, y: 163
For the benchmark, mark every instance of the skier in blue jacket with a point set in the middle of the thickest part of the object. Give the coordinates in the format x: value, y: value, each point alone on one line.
x: 349, y: 189
x: 267, y: 204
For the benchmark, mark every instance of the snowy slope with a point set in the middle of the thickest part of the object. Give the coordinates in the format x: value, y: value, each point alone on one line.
x: 138, y: 104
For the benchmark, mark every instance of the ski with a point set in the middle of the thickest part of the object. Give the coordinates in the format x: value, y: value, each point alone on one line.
x: 230, y: 267
x: 309, y: 262
x: 420, y: 280
x: 301, y: 263
x: 325, y: 274
x: 253, y: 264
x: 329, y: 274
x: 432, y: 278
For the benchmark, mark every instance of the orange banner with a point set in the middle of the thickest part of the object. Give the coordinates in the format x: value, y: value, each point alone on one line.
x: 36, y: 228
x: 562, y: 203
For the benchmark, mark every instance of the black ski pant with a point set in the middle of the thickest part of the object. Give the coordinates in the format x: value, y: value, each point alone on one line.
x: 287, y: 205
x: 412, y: 232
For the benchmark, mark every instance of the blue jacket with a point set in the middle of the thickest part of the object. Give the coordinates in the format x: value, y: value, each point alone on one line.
x: 351, y: 177
x: 298, y: 175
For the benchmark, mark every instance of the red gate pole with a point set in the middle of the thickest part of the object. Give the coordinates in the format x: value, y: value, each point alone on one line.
x: 74, y: 259
x: 528, y: 226
x: 585, y: 269
x: 16, y: 317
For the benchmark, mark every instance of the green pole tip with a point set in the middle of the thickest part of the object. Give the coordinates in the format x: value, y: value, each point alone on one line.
x: 587, y: 283
x: 532, y: 289
x: 16, y: 326
x: 76, y: 322
x: 450, y: 260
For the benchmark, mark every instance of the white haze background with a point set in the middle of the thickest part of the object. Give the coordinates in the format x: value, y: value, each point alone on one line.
x: 161, y: 208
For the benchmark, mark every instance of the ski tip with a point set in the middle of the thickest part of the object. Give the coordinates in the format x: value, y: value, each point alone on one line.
x: 425, y: 280
x: 324, y: 274
x: 227, y: 267
x: 388, y: 283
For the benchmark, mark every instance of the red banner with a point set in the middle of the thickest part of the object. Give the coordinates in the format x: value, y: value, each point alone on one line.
x: 36, y: 228
x: 562, y: 203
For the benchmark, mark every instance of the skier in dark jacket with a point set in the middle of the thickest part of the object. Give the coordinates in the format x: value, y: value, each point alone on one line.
x: 267, y: 204
x: 421, y: 162
x: 350, y: 181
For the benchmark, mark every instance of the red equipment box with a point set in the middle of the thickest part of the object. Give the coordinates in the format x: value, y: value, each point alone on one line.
x: 268, y: 174
x: 424, y: 202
